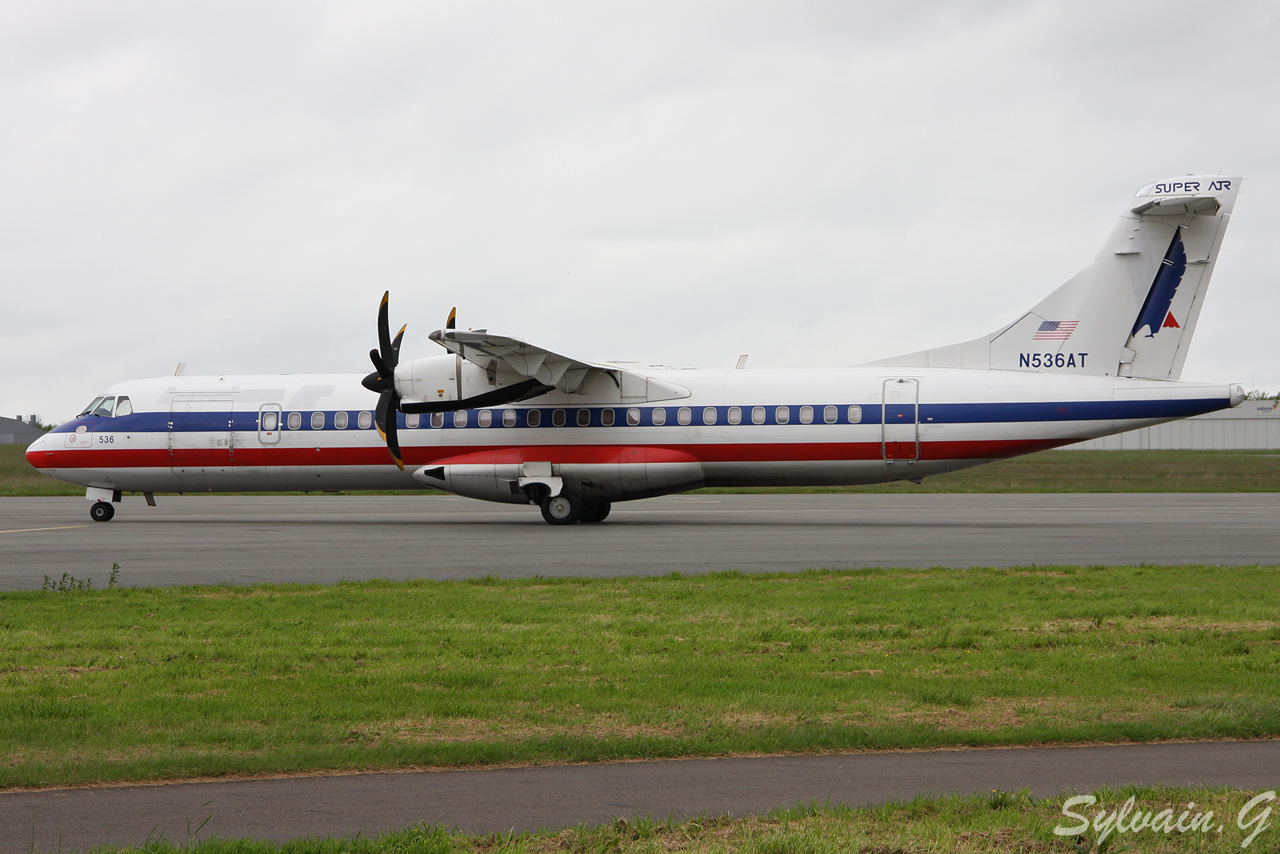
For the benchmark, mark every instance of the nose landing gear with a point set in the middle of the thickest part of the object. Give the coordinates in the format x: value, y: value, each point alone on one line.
x: 101, y: 511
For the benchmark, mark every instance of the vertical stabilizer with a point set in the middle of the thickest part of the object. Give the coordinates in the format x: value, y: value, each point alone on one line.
x: 1133, y: 310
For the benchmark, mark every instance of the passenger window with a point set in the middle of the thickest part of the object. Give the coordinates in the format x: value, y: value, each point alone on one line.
x: 412, y: 421
x: 606, y: 417
x: 855, y: 414
x: 270, y: 420
x: 364, y: 420
x: 683, y: 415
x: 584, y: 417
x: 484, y: 418
x: 735, y: 415
x: 533, y: 417
x: 709, y: 415
x: 437, y: 420
x: 757, y: 415
x: 508, y: 418
x: 295, y: 420
x: 105, y: 407
x: 806, y: 415
x: 633, y: 417
x: 782, y: 414
x: 557, y: 418
x: 317, y: 421
x: 830, y: 414
x: 123, y: 407
x: 460, y: 418
x: 659, y: 416
x: 340, y: 420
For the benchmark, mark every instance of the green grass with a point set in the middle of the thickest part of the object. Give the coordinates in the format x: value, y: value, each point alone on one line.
x: 1048, y: 471
x: 137, y: 683
x: 998, y: 822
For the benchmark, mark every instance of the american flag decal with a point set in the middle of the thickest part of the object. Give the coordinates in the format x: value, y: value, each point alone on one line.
x: 1055, y: 330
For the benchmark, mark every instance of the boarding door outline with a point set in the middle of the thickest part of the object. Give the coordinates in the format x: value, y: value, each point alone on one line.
x: 270, y: 423
x: 900, y: 420
x: 200, y: 432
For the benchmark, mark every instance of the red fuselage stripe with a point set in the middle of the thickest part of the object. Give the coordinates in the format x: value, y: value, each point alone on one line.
x: 565, y: 454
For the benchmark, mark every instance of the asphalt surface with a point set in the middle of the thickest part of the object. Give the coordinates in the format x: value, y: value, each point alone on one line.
x: 203, y: 539
x: 519, y: 799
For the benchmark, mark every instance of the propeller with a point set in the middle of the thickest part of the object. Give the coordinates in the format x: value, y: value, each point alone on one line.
x: 383, y: 381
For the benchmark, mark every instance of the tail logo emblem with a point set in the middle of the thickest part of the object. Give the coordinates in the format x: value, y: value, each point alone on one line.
x: 1170, y: 322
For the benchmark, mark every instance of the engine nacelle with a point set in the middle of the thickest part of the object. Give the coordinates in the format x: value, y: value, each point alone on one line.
x: 440, y: 379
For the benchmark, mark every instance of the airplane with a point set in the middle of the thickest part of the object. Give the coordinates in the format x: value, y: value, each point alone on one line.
x: 498, y: 419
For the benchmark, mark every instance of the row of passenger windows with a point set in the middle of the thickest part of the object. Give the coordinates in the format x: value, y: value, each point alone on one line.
x: 583, y: 417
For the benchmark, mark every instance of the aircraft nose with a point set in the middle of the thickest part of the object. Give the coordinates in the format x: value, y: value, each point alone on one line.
x: 35, y: 452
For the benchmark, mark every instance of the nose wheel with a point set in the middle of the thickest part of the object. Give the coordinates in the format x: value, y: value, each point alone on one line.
x: 101, y: 511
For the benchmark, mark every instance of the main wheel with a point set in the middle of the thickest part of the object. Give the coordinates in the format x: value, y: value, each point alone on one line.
x: 101, y: 511
x: 564, y: 509
x: 596, y: 511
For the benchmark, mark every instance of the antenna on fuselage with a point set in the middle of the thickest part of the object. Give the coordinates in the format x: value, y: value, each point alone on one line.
x: 742, y: 362
x: 180, y: 370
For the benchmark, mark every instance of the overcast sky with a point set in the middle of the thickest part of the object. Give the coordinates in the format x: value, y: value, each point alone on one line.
x: 234, y: 185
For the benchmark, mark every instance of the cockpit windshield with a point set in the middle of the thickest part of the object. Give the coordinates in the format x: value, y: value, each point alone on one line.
x: 103, y: 406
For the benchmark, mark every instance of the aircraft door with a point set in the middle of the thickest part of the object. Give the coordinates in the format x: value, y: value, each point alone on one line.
x: 200, y: 433
x: 270, y: 416
x: 900, y: 420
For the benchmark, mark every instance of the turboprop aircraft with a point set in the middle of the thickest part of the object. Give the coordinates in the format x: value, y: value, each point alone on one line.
x: 498, y: 419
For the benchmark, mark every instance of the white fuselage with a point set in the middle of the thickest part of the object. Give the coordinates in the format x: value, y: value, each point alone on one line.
x: 734, y: 428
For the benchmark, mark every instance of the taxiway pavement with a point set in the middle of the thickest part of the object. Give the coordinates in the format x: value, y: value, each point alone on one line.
x: 204, y: 539
x: 505, y: 799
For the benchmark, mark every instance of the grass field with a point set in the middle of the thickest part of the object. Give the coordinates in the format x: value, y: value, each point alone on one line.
x: 998, y: 822
x: 135, y: 683
x: 1048, y: 471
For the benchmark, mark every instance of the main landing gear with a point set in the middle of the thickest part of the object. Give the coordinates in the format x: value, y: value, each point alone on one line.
x: 568, y: 508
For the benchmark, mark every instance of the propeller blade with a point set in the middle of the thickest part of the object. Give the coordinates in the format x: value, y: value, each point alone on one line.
x: 453, y: 318
x: 394, y: 358
x: 382, y: 377
x: 393, y: 439
x: 386, y: 421
x: 384, y: 332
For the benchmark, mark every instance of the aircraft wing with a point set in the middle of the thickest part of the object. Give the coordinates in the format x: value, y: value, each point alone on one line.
x: 502, y: 353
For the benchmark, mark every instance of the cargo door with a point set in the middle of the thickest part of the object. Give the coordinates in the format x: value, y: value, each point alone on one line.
x: 900, y: 420
x: 200, y: 433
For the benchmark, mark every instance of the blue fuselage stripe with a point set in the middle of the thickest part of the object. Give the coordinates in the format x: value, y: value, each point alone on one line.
x: 871, y: 413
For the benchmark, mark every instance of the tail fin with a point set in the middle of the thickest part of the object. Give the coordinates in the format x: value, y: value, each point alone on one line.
x: 1133, y: 310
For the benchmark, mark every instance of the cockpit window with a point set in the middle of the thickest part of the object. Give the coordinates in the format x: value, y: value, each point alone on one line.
x: 123, y: 406
x: 102, y: 406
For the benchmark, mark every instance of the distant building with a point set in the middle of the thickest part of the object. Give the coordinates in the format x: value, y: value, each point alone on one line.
x: 15, y: 431
x: 1253, y: 426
